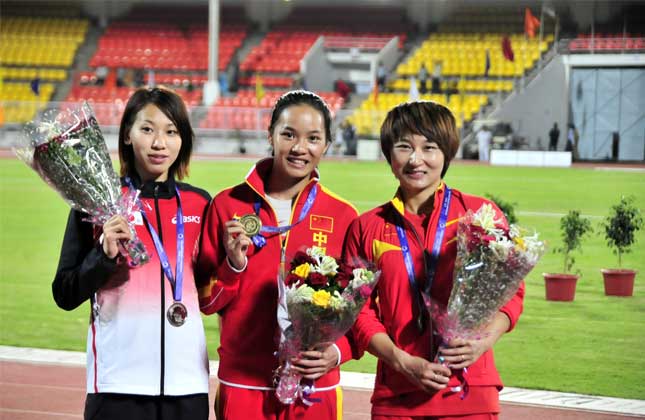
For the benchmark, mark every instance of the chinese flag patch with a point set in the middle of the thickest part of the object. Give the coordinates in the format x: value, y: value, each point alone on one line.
x: 323, y: 223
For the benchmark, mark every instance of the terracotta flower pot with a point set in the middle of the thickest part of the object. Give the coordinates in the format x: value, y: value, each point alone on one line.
x: 618, y: 282
x: 560, y: 287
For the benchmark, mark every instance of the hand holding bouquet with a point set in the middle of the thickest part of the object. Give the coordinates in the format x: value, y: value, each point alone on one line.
x: 491, y: 262
x: 319, y: 302
x: 68, y: 151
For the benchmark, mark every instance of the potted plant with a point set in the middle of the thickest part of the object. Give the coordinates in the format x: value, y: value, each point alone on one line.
x: 562, y: 286
x: 620, y: 226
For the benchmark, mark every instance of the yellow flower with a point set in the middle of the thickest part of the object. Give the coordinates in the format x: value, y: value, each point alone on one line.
x: 521, y: 244
x: 302, y: 270
x: 321, y: 298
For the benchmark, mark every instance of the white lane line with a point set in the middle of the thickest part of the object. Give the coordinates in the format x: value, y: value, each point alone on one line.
x: 365, y: 382
x: 32, y: 386
x: 45, y: 414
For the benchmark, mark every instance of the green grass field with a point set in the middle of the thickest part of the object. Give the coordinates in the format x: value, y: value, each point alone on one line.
x: 592, y: 345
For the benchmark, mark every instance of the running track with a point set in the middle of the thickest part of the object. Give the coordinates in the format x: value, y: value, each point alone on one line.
x: 31, y: 390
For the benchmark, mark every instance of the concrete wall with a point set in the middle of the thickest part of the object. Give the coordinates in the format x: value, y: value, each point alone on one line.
x: 544, y: 101
x: 316, y: 68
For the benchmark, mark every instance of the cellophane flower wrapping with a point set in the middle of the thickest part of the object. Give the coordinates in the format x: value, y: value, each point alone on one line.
x: 491, y: 262
x: 320, y: 299
x: 66, y: 148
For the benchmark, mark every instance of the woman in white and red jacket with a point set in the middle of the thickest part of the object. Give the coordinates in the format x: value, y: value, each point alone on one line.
x: 143, y: 360
x: 419, y: 139
x: 238, y: 275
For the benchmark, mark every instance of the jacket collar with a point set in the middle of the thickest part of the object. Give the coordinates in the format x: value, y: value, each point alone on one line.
x: 399, y: 205
x: 165, y: 189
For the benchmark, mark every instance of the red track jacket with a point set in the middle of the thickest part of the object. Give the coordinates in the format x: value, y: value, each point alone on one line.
x: 248, y: 301
x: 373, y: 237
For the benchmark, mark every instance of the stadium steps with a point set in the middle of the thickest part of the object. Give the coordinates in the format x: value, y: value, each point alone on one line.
x: 253, y: 39
x: 83, y: 55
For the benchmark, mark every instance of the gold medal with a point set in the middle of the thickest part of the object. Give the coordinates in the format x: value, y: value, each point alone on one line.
x: 251, y: 224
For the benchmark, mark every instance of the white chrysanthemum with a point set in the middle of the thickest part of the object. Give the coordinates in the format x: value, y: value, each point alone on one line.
x: 328, y: 266
x: 337, y: 302
x: 361, y: 277
x: 315, y: 252
x: 485, y: 217
x: 514, y: 231
x: 501, y: 248
x: 325, y: 264
x: 534, y: 248
x: 302, y: 293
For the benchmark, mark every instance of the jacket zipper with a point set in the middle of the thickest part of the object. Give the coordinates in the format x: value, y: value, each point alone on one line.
x: 163, y: 299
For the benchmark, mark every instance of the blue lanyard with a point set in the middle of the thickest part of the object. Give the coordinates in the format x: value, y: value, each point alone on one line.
x: 177, y: 280
x: 436, y: 247
x: 259, y: 240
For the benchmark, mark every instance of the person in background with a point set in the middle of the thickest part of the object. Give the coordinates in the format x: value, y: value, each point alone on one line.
x: 101, y: 74
x: 436, y: 77
x: 338, y: 140
x: 342, y: 89
x: 238, y: 270
x: 381, y: 76
x: 423, y: 79
x: 233, y: 73
x: 484, y: 139
x: 572, y: 141
x: 146, y: 349
x: 349, y: 138
x: 554, y: 136
x: 411, y: 239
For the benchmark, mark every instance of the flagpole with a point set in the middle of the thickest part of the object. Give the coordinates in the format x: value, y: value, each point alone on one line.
x: 555, y: 33
x: 593, y: 32
x: 540, y: 38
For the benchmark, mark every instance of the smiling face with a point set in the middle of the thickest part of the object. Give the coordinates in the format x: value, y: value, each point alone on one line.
x: 417, y: 163
x: 299, y: 141
x: 156, y: 143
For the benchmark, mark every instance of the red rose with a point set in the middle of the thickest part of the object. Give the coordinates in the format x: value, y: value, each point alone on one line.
x: 342, y: 280
x: 291, y: 279
x: 301, y: 258
x: 317, y: 280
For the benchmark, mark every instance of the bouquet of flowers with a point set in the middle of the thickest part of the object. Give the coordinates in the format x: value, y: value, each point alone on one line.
x: 66, y: 148
x: 319, y: 302
x: 491, y: 262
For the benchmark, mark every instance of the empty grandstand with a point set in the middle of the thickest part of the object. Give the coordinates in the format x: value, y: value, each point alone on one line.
x: 522, y: 64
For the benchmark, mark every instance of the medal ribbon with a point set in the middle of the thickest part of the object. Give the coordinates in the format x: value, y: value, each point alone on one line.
x: 259, y: 240
x: 177, y: 280
x: 436, y: 247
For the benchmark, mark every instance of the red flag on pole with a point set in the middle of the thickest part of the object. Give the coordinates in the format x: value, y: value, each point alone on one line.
x: 531, y: 23
x: 507, y: 49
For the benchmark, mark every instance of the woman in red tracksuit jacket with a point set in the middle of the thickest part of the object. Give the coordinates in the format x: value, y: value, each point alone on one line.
x: 419, y: 139
x: 237, y: 274
x: 143, y: 362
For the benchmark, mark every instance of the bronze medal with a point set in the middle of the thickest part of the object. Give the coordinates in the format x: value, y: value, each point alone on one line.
x: 251, y: 224
x: 177, y: 314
